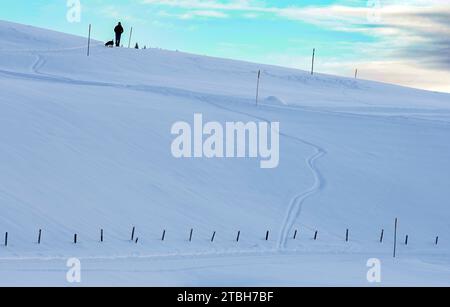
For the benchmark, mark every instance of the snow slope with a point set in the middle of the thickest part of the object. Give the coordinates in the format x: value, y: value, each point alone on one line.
x: 85, y: 145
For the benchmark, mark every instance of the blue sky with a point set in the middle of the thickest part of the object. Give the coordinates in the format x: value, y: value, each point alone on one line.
x: 399, y: 41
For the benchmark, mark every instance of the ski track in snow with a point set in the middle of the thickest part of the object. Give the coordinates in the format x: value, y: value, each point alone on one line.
x: 295, y: 206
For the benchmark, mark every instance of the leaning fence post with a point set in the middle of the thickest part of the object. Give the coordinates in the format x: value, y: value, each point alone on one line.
x: 267, y: 235
x: 238, y: 236
x: 163, y: 235
x: 437, y: 240
x: 132, y: 233
x: 190, y: 235
x: 39, y: 236
x: 213, y: 236
x: 315, y: 235
x: 295, y: 234
x: 406, y: 240
x: 382, y: 235
x: 137, y: 240
x: 6, y: 239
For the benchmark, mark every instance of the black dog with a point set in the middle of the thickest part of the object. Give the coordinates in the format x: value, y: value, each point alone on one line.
x: 109, y: 44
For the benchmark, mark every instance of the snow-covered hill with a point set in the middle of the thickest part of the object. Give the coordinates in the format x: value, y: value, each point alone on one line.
x: 85, y: 145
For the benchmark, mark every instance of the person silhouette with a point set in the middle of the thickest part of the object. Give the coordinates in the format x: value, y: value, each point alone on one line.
x: 118, y: 30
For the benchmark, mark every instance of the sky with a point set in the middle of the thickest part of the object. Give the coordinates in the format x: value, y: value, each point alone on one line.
x: 405, y: 42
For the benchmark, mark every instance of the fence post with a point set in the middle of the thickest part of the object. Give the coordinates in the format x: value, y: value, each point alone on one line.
x: 89, y: 41
x: 356, y: 73
x: 132, y: 233
x: 267, y: 235
x: 346, y: 236
x: 395, y: 237
x: 39, y: 236
x: 75, y: 239
x: 101, y: 235
x: 238, y: 236
x: 437, y: 240
x: 313, y: 58
x: 6, y: 239
x: 382, y: 235
x: 213, y: 236
x: 137, y: 239
x: 163, y: 235
x: 315, y: 235
x: 190, y: 235
x: 295, y: 234
x: 406, y: 240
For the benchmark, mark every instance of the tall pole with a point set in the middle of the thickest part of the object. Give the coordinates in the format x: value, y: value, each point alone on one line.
x: 356, y: 73
x: 395, y: 237
x: 313, y: 57
x: 131, y: 33
x: 89, y: 41
x: 257, y: 87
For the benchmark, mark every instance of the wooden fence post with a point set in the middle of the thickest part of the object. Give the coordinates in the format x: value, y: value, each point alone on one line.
x: 39, y: 236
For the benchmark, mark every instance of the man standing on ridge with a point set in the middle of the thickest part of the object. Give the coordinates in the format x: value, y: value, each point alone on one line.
x: 118, y: 30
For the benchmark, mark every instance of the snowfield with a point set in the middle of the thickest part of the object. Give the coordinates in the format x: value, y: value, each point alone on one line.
x: 85, y: 144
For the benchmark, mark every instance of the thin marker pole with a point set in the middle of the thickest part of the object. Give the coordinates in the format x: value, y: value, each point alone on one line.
x: 295, y: 234
x: 382, y: 235
x: 437, y: 240
x: 315, y: 235
x: 257, y: 87
x: 89, y: 41
x: 213, y: 236
x: 101, y: 235
x: 39, y: 236
x: 6, y: 239
x: 356, y: 73
x: 313, y: 58
x: 163, y: 235
x: 75, y: 239
x: 267, y: 235
x: 190, y: 235
x: 238, y: 236
x: 346, y: 236
x: 131, y: 33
